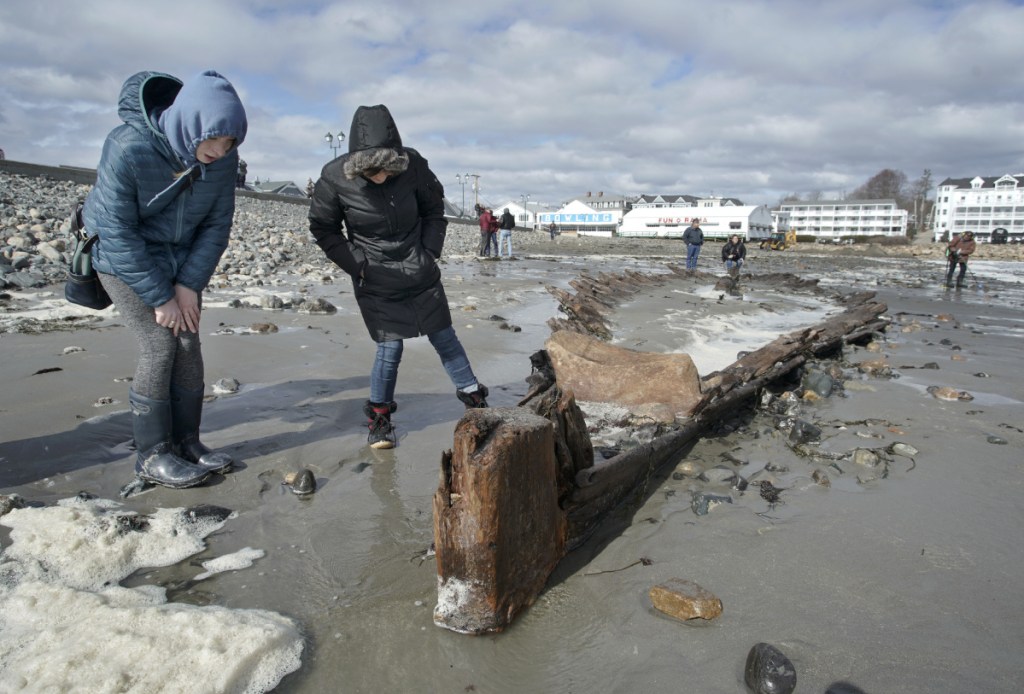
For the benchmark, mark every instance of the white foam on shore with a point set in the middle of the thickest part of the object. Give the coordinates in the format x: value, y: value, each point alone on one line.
x: 65, y: 624
x: 242, y: 559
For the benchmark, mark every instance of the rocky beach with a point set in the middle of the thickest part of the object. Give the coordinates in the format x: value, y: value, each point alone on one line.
x: 878, y: 557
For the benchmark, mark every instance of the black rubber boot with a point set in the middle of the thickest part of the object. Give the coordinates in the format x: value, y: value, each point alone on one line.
x: 186, y: 415
x: 155, y: 459
x: 478, y: 398
x: 382, y: 431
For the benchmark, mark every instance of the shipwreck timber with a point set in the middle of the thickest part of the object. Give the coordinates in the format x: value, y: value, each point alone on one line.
x: 521, y: 487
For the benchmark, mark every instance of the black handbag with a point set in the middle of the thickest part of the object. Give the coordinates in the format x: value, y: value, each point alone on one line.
x: 83, y: 286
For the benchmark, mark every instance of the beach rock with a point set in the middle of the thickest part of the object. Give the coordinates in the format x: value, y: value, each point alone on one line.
x: 226, y: 386
x: 685, y: 600
x: 598, y: 372
x: 317, y: 307
x: 769, y: 671
x: 804, y: 432
x: 875, y: 367
x: 272, y: 303
x: 866, y: 457
x: 949, y: 394
x: 821, y: 478
x: 263, y: 328
x: 818, y: 382
x: 997, y: 440
x: 687, y: 469
x: 301, y: 483
x: 702, y: 502
x: 904, y: 449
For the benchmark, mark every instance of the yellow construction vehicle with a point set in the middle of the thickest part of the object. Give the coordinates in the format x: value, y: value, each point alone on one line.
x: 780, y: 240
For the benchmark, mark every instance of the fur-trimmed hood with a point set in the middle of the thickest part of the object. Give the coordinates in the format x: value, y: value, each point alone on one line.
x: 374, y: 143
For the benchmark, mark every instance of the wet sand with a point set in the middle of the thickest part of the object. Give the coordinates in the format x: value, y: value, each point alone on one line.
x: 907, y: 583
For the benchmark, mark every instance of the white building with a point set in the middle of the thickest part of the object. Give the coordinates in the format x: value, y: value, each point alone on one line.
x: 589, y: 215
x: 836, y: 219
x: 717, y: 222
x: 981, y: 204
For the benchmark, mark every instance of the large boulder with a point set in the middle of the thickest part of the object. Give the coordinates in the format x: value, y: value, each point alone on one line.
x: 596, y: 371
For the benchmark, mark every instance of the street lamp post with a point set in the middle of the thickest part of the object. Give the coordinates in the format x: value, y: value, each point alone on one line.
x: 334, y: 141
x: 476, y: 190
x: 463, y: 180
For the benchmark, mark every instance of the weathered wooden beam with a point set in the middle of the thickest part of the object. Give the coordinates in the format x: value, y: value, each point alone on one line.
x: 498, y: 527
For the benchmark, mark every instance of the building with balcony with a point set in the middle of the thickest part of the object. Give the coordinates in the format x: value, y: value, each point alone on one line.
x: 983, y: 204
x: 832, y: 220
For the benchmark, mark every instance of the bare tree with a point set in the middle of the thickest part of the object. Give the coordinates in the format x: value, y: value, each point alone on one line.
x: 884, y: 185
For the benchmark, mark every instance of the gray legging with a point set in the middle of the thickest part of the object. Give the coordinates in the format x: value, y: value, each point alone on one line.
x: 163, y: 358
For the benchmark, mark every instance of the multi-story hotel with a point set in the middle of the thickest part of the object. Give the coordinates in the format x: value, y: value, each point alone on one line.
x: 983, y: 204
x: 840, y: 219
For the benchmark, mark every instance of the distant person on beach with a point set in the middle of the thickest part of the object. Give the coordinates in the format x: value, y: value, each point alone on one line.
x: 506, y: 224
x: 494, y: 232
x: 243, y: 171
x: 693, y: 237
x: 957, y: 253
x: 733, y: 254
x: 486, y: 221
x: 552, y: 230
x: 309, y: 187
x: 378, y: 213
x: 163, y: 205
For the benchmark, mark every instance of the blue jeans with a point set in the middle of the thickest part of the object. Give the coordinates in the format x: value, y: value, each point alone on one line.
x: 692, y: 251
x: 506, y: 237
x: 733, y: 264
x: 384, y: 375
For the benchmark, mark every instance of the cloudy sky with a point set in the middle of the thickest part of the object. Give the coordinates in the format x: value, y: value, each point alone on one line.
x: 553, y: 98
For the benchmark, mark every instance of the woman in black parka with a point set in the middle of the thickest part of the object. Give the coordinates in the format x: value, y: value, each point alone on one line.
x: 378, y: 213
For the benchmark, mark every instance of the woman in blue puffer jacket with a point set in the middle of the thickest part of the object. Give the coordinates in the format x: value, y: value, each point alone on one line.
x: 162, y: 206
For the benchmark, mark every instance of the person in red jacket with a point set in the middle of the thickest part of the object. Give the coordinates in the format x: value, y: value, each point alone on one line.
x: 957, y: 253
x: 486, y: 221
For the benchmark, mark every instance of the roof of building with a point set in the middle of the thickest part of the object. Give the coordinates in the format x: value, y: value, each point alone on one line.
x: 668, y: 199
x: 600, y: 195
x: 279, y: 187
x: 988, y: 181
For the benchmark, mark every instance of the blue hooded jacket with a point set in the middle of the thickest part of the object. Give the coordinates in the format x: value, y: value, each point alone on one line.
x: 157, y: 228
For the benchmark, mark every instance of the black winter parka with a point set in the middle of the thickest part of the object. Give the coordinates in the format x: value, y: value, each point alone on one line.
x: 386, y: 236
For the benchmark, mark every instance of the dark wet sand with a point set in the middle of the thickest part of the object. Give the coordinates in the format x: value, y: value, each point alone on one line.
x: 904, y: 584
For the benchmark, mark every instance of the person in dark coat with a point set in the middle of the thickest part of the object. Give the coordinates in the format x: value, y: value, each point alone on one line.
x: 378, y: 213
x: 506, y: 223
x: 733, y: 254
x: 162, y: 206
x: 693, y: 237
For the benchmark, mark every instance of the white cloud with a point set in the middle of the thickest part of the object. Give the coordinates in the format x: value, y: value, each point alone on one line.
x: 744, y: 98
